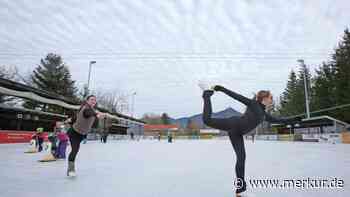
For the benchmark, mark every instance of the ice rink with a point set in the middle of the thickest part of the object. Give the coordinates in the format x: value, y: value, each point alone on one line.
x: 193, y: 168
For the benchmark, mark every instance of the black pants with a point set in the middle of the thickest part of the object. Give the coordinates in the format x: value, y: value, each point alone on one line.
x: 232, y: 126
x: 75, y: 139
x: 53, y: 141
x: 104, y: 138
x: 40, y: 144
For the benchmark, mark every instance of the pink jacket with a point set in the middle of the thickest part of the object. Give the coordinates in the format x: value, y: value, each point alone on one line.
x: 62, y: 136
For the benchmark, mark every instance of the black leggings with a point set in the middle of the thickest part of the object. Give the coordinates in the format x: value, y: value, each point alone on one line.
x: 231, y: 125
x: 75, y: 139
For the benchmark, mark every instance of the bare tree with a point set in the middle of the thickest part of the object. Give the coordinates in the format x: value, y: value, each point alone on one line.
x: 114, y: 101
x: 10, y: 73
x: 152, y: 118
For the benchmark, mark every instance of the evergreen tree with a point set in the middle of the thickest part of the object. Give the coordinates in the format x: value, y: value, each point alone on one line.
x: 324, y: 88
x: 330, y: 87
x: 53, y: 75
x: 341, y: 63
x: 287, y: 102
x: 292, y: 100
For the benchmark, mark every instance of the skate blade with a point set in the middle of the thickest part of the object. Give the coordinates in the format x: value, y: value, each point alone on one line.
x: 44, y: 160
x: 48, y: 158
x: 31, y: 151
x: 244, y: 194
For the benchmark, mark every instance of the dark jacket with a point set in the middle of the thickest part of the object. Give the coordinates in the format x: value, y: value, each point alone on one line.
x: 255, y: 113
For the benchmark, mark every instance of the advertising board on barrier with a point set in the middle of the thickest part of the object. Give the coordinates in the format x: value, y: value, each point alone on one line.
x: 285, y: 137
x: 16, y: 136
x: 266, y: 137
x: 345, y: 137
x: 312, y: 137
x: 333, y: 138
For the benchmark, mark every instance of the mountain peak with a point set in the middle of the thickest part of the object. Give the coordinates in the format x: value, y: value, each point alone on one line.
x: 197, y: 119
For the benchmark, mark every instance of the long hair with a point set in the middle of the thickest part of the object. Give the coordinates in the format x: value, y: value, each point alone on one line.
x: 85, y: 101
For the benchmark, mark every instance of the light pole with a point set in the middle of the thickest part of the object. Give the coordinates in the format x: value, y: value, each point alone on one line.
x: 290, y: 129
x: 91, y: 63
x: 306, y: 90
x: 133, y: 104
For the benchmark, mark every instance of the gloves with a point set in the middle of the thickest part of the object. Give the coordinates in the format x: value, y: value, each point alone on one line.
x: 218, y: 88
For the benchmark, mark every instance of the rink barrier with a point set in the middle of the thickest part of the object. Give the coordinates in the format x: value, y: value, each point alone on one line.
x: 310, y: 138
x: 285, y: 137
x: 206, y: 137
x: 334, y: 138
x: 266, y: 137
x: 298, y: 137
x: 7, y: 136
x: 321, y: 138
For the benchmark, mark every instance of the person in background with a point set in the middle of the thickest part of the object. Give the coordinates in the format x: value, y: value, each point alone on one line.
x: 63, y: 142
x: 52, y: 137
x: 170, y: 137
x: 40, y: 138
x: 35, y: 138
x: 158, y: 136
x: 105, y: 127
x: 83, y: 123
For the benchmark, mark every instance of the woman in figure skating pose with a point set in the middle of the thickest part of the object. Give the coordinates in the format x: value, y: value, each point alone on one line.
x: 237, y: 126
x: 84, y: 120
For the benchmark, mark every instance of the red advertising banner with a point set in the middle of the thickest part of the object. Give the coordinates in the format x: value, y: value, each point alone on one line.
x: 17, y: 136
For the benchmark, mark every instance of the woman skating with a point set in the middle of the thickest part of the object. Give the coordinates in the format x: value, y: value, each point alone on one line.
x: 237, y: 126
x: 84, y: 120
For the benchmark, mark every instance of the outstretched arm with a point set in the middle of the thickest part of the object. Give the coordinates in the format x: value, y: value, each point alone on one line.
x: 238, y: 97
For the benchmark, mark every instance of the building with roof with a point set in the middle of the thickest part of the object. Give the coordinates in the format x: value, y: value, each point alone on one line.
x: 318, y: 124
x: 15, y: 118
x: 154, y: 130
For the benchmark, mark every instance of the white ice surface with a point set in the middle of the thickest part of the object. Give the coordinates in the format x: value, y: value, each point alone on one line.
x: 184, y: 168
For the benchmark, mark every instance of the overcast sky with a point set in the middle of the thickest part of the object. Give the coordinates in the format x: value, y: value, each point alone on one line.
x: 162, y: 48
